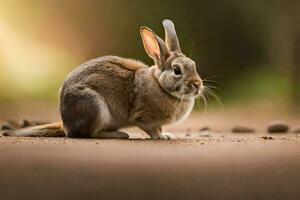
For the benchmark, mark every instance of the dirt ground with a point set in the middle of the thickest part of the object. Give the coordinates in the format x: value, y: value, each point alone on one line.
x: 217, y: 165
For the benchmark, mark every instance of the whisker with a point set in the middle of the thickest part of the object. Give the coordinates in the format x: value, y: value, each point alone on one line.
x: 203, y: 97
x: 211, y: 77
x: 210, y: 86
x: 209, y: 81
x: 211, y: 94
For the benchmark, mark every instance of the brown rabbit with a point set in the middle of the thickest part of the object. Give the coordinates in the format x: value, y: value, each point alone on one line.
x: 108, y: 93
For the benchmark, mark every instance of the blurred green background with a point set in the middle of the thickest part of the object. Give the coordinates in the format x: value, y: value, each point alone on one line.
x: 249, y: 49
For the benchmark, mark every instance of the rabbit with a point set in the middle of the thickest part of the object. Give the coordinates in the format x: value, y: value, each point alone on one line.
x: 108, y: 93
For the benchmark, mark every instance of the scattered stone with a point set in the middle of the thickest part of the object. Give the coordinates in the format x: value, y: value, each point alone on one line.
x: 205, y: 128
x: 278, y: 127
x: 6, y: 126
x: 24, y: 123
x: 242, y: 129
x: 267, y: 137
x: 204, y: 134
x: 297, y: 130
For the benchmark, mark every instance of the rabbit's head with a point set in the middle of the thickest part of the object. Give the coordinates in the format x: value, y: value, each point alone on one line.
x: 175, y: 72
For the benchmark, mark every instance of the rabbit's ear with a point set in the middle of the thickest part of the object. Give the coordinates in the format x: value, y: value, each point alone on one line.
x: 171, y: 36
x: 154, y: 46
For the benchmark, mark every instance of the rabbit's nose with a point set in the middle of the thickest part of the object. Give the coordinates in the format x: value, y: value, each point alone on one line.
x: 197, y: 84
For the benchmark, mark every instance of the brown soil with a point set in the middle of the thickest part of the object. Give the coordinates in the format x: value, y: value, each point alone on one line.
x: 215, y: 167
x: 215, y: 164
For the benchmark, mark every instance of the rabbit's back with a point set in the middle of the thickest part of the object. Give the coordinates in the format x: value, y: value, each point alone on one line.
x: 109, y: 79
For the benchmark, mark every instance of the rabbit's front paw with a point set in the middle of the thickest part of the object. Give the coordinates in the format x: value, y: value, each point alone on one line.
x: 166, y: 136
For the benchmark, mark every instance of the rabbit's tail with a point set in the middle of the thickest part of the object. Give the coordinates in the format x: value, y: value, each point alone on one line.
x: 47, y: 130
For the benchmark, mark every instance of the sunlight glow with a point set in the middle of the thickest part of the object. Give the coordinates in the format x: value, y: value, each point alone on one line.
x: 28, y: 66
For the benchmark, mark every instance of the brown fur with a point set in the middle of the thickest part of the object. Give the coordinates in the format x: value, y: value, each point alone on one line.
x: 130, y: 64
x: 108, y: 93
x: 47, y: 130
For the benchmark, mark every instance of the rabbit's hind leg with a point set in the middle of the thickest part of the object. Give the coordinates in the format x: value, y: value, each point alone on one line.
x: 105, y: 127
x: 110, y: 135
x: 80, y: 111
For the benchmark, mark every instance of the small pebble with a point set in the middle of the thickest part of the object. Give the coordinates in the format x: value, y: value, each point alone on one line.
x: 6, y: 126
x: 204, y: 134
x: 188, y: 134
x: 24, y: 123
x: 297, y: 130
x: 242, y: 129
x: 278, y: 127
x: 267, y: 137
x: 205, y: 128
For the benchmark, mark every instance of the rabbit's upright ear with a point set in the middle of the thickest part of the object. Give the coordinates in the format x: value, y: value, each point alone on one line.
x: 171, y: 36
x: 154, y: 46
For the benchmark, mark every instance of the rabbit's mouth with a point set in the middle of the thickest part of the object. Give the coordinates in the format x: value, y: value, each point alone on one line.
x: 199, y: 91
x: 187, y: 92
x: 195, y: 94
x: 184, y: 91
x: 191, y: 91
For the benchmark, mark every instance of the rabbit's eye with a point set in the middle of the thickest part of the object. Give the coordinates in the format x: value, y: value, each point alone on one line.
x: 177, y: 70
